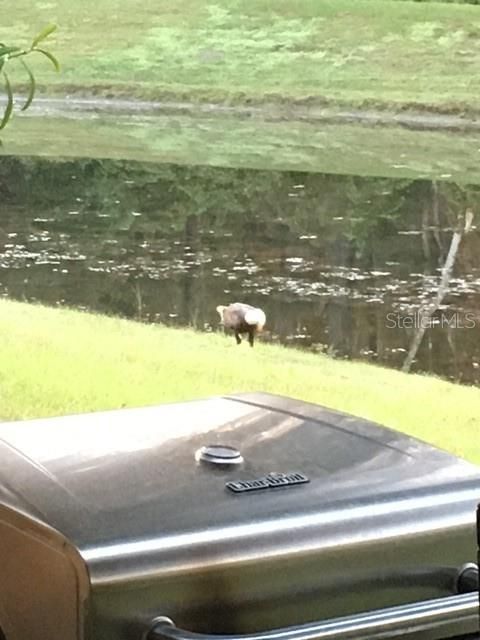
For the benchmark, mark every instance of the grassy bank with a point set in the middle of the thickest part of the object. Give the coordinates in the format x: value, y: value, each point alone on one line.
x: 358, y: 52
x: 253, y: 143
x: 58, y: 361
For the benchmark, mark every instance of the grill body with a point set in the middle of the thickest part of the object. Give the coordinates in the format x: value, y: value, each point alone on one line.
x: 232, y: 515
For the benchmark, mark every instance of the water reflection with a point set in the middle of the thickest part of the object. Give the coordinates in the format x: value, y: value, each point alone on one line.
x: 341, y: 264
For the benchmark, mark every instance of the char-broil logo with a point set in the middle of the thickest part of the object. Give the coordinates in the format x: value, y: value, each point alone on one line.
x: 270, y: 481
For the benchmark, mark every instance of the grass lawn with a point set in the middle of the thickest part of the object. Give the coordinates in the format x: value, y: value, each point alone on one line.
x: 59, y: 361
x: 254, y: 143
x: 360, y: 52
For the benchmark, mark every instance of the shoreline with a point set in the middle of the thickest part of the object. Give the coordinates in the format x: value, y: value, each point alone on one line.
x: 294, y: 111
x: 130, y: 359
x: 368, y: 61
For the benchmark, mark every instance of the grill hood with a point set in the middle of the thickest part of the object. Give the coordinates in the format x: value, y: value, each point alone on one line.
x: 115, y: 475
x: 153, y: 529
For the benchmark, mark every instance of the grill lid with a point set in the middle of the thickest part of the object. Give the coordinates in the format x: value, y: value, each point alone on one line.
x: 219, y: 462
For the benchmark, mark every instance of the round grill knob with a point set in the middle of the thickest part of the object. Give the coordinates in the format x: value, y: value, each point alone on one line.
x: 219, y: 454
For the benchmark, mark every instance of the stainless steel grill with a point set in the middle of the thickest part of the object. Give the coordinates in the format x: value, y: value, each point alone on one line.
x: 254, y: 516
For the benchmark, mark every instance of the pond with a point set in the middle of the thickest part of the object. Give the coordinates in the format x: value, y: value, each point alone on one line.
x: 340, y: 263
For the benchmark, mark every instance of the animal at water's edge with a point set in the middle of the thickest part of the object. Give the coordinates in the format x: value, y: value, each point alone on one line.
x: 242, y: 318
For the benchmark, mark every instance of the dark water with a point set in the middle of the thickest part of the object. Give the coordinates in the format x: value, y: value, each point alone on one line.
x: 340, y: 264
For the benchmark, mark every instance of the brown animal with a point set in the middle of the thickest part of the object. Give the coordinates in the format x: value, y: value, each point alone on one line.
x: 242, y: 318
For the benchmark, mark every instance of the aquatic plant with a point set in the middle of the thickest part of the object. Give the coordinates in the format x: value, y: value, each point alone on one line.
x: 9, y: 53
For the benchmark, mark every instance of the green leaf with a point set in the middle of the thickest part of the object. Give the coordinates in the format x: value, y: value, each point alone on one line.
x: 7, y: 114
x: 5, y: 51
x: 31, y: 92
x: 44, y: 33
x: 51, y: 57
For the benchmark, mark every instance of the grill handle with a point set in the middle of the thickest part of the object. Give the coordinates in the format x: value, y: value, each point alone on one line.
x: 460, y: 611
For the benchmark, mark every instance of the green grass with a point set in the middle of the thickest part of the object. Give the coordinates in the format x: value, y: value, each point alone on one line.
x: 342, y: 51
x: 59, y: 361
x: 253, y: 143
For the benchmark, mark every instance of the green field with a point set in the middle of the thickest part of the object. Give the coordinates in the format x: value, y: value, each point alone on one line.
x: 58, y: 361
x: 255, y: 143
x: 357, y: 52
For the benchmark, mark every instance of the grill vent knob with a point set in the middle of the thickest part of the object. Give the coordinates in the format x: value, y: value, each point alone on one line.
x: 219, y: 454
